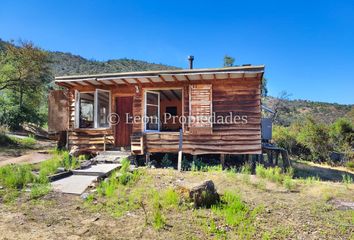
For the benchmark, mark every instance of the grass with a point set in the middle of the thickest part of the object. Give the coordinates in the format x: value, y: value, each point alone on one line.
x: 16, y: 176
x: 276, y: 175
x: 170, y: 198
x: 39, y: 190
x: 350, y: 165
x: 237, y: 214
x: 347, y: 179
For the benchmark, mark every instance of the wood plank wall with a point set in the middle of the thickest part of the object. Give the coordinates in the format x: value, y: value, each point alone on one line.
x: 240, y: 96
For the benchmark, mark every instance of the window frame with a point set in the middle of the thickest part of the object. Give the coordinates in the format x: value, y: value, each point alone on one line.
x: 95, y: 110
x: 158, y: 109
x: 96, y: 107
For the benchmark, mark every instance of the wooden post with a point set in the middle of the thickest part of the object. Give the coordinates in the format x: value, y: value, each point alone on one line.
x: 67, y: 141
x: 147, y: 159
x: 104, y: 142
x: 179, y: 166
x: 222, y: 161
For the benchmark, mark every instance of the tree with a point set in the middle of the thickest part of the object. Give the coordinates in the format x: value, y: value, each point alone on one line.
x: 264, y: 87
x: 281, y: 108
x: 228, y: 61
x: 24, y: 75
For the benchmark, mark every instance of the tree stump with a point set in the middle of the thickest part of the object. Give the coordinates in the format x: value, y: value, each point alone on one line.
x: 202, y: 194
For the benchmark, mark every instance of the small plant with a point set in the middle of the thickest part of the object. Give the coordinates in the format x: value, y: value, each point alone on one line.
x: 198, y: 165
x: 288, y: 183
x: 347, y: 179
x: 186, y: 165
x: 166, y: 162
x: 108, y: 187
x: 246, y: 169
x: 169, y: 198
x: 68, y: 161
x: 39, y: 190
x: 158, y: 220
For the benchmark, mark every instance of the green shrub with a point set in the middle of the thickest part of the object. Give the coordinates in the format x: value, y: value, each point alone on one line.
x: 16, y: 176
x: 342, y: 134
x: 315, y: 137
x: 166, y: 162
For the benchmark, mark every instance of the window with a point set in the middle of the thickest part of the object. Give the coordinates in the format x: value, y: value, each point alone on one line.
x: 152, y: 111
x: 171, y: 110
x: 92, y: 109
x: 103, y: 108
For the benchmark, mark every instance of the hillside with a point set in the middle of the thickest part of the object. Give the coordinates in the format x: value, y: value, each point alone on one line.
x: 292, y: 110
x: 69, y: 64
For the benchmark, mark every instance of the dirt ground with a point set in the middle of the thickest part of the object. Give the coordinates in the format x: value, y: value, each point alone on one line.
x: 38, y: 153
x: 312, y: 211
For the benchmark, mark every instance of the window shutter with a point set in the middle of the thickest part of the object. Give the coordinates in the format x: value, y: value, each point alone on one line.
x: 58, y: 111
x: 200, y: 105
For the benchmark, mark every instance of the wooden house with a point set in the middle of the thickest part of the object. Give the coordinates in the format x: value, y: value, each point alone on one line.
x: 110, y: 111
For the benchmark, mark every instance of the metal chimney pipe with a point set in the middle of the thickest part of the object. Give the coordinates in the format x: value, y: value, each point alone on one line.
x: 190, y: 59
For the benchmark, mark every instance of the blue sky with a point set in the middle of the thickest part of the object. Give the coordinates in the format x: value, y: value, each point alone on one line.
x: 307, y: 46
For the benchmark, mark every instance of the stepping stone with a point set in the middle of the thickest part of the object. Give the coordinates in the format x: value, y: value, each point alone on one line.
x: 75, y: 184
x: 99, y: 170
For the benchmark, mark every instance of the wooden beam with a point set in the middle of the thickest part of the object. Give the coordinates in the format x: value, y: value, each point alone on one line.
x: 104, y: 84
x: 175, y: 78
x: 186, y: 76
x: 167, y: 97
x: 125, y: 81
x: 115, y: 83
x: 137, y: 80
x: 175, y: 94
x: 90, y: 84
x: 64, y: 84
x: 162, y: 78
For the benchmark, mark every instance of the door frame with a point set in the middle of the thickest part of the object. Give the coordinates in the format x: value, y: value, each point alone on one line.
x: 114, y: 110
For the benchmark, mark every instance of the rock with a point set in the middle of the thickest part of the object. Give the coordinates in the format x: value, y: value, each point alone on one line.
x: 84, y: 196
x: 201, y: 195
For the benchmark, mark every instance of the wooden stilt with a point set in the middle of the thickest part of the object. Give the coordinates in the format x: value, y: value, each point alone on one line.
x: 222, y: 161
x: 147, y: 159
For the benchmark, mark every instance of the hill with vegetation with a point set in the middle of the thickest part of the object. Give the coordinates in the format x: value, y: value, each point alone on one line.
x: 290, y: 111
x: 69, y: 64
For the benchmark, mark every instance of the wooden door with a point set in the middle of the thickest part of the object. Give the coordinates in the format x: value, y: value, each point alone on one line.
x: 123, y: 130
